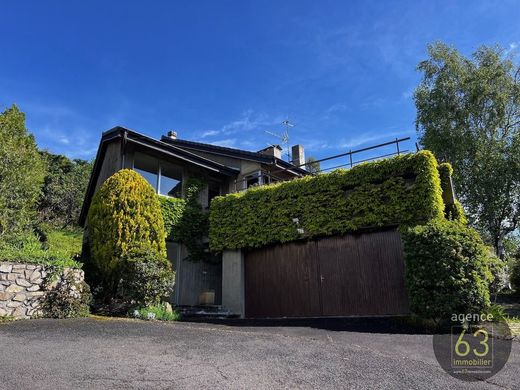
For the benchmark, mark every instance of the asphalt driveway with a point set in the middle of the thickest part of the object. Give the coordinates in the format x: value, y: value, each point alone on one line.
x: 118, y: 353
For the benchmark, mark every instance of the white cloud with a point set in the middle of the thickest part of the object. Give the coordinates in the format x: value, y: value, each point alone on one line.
x: 209, y: 133
x: 511, y: 48
x: 338, y: 107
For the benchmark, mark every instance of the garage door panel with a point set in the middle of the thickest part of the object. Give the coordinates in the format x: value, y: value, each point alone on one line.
x: 280, y: 281
x: 351, y: 275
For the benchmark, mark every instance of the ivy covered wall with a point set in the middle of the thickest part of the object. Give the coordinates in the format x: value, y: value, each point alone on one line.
x: 403, y: 190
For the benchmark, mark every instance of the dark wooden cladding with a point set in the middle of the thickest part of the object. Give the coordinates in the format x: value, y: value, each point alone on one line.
x: 351, y: 275
x: 281, y: 281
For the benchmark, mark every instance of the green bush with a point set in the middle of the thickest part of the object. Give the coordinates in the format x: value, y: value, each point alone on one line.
x: 404, y: 190
x: 447, y: 270
x: 125, y: 214
x: 146, y: 278
x: 68, y: 298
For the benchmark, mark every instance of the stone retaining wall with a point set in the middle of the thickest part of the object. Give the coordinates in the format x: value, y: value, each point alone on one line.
x: 23, y: 288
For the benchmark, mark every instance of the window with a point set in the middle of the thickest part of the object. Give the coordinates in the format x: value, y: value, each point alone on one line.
x: 148, y: 167
x: 171, y: 180
x: 213, y: 190
x: 164, y: 177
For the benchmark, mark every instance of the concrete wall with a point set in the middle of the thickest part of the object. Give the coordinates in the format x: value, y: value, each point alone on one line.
x: 233, y: 298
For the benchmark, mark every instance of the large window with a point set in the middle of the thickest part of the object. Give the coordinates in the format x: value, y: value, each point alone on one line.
x: 164, y: 177
x: 170, y: 183
x: 148, y: 167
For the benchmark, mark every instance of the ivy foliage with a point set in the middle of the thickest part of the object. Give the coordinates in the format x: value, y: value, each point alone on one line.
x: 404, y: 190
x: 447, y: 270
x: 453, y: 210
x: 125, y: 214
x: 185, y: 220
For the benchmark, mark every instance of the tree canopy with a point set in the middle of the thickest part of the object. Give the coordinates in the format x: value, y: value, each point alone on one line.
x: 22, y: 171
x: 63, y: 190
x: 468, y: 113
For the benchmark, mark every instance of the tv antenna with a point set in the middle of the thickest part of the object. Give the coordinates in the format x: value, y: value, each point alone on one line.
x: 284, y: 137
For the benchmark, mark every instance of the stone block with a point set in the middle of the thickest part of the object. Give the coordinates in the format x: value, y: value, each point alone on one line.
x: 14, y: 304
x: 14, y: 288
x: 32, y: 295
x: 6, y: 267
x: 12, y: 277
x: 5, y: 296
x: 19, y: 297
x: 3, y: 276
x: 20, y: 312
x: 23, y: 282
x: 33, y: 288
x: 30, y: 267
x: 3, y: 312
x: 35, y: 276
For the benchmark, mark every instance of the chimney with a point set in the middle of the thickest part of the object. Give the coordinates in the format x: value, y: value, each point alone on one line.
x: 172, y: 134
x: 273, y: 150
x: 298, y: 156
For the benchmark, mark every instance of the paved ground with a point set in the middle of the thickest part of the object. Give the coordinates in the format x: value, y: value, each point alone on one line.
x: 106, y: 354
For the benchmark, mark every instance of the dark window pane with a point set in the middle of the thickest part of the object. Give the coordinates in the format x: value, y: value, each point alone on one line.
x: 171, y: 180
x: 213, y: 190
x: 148, y: 167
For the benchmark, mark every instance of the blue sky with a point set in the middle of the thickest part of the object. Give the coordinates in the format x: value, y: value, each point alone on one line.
x: 224, y: 72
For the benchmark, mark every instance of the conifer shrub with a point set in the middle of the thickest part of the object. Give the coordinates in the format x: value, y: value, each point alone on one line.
x: 125, y: 214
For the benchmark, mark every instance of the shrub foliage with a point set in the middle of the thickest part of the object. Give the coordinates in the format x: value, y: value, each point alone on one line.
x: 447, y: 270
x: 146, y: 278
x: 404, y: 190
x: 125, y: 214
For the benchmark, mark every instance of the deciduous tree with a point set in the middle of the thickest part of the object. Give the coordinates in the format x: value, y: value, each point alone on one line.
x: 468, y: 113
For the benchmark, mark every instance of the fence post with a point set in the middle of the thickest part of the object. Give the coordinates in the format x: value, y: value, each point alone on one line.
x: 350, y: 155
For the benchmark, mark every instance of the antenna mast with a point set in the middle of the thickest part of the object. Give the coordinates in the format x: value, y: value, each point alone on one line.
x: 284, y: 137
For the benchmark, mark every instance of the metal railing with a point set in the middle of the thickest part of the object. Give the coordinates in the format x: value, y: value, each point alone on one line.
x: 274, y: 175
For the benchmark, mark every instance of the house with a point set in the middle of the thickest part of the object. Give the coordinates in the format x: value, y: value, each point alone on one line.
x: 166, y: 164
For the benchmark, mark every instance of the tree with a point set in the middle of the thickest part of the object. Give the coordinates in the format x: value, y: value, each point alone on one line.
x: 63, y: 190
x: 468, y: 113
x: 125, y: 215
x: 21, y: 173
x: 312, y: 165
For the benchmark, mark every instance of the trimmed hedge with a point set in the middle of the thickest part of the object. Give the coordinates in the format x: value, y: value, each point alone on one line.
x: 404, y: 190
x: 447, y: 270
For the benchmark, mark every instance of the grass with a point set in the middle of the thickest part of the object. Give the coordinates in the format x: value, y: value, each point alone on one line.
x: 58, y: 250
x: 4, y: 319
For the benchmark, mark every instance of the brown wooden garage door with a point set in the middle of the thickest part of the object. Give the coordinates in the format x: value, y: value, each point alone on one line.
x: 352, y: 275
